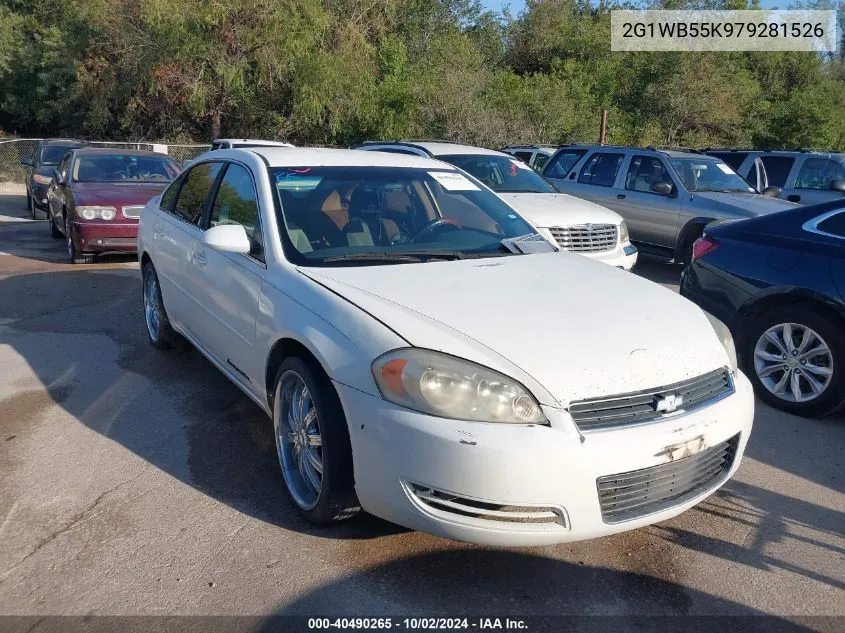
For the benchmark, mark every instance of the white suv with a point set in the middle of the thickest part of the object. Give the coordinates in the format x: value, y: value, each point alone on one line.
x: 462, y: 380
x: 574, y: 224
x: 536, y: 156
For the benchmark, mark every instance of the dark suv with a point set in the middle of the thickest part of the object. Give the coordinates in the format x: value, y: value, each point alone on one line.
x: 42, y: 164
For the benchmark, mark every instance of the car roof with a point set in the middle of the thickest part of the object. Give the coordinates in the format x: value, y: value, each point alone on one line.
x: 61, y: 141
x: 775, y: 152
x: 87, y: 151
x: 252, y: 141
x: 439, y: 148
x: 325, y: 157
x: 671, y: 152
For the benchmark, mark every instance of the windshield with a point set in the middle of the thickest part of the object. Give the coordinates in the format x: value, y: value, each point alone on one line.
x: 338, y: 215
x: 124, y: 168
x: 53, y: 154
x: 500, y: 173
x: 709, y: 174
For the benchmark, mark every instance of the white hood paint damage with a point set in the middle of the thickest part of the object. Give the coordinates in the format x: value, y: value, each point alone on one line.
x: 546, y: 210
x: 568, y: 327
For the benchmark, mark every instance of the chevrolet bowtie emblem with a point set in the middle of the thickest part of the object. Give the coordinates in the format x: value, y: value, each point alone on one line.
x: 668, y: 403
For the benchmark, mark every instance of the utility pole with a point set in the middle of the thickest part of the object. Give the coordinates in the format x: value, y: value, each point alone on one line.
x: 603, y: 128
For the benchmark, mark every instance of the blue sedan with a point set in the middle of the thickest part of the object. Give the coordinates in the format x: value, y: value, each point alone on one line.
x: 778, y: 282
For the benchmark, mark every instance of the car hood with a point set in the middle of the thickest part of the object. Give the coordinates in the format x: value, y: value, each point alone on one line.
x: 116, y: 194
x: 545, y: 210
x: 567, y: 327
x: 751, y: 203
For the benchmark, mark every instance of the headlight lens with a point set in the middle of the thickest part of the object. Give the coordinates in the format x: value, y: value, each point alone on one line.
x: 42, y: 180
x: 624, y: 238
x: 725, y: 338
x: 96, y: 213
x: 450, y: 387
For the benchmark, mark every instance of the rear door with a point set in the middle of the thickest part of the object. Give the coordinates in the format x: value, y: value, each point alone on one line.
x: 813, y: 179
x: 597, y: 178
x: 229, y: 284
x: 176, y: 232
x: 652, y: 217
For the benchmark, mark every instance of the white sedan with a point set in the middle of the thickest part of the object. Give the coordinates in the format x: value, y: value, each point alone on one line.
x: 426, y: 358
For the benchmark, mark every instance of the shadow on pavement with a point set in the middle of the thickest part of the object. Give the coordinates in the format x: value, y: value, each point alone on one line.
x: 83, y: 334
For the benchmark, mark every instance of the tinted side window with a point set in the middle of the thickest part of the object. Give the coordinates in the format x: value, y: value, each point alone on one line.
x: 818, y: 173
x: 236, y: 203
x: 644, y: 172
x: 169, y: 195
x: 540, y: 160
x: 834, y: 224
x: 777, y: 168
x: 563, y: 162
x: 601, y: 169
x: 523, y: 156
x: 194, y: 193
x: 733, y: 159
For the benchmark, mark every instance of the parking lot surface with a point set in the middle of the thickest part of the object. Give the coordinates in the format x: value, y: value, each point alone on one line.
x: 136, y: 481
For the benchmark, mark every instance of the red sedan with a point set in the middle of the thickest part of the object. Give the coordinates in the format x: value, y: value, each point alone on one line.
x: 96, y: 197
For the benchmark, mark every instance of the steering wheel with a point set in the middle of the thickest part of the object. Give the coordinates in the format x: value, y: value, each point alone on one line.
x: 436, y: 226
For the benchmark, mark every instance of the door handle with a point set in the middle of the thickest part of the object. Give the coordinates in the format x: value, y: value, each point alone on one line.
x: 793, y: 197
x: 199, y: 259
x: 620, y: 196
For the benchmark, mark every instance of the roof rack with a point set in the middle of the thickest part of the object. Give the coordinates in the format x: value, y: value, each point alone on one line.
x: 673, y: 148
x: 727, y: 149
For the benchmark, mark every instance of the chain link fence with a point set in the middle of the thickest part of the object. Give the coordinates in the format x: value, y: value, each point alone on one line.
x: 12, y: 151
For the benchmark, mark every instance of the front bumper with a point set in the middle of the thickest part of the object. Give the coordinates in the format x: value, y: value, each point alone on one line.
x: 39, y: 195
x: 550, y: 470
x: 621, y: 257
x: 105, y: 237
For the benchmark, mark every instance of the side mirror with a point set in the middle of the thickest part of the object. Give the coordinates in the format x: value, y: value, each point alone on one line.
x: 663, y: 188
x: 228, y: 238
x: 58, y: 177
x: 27, y: 162
x: 838, y: 185
x: 772, y: 192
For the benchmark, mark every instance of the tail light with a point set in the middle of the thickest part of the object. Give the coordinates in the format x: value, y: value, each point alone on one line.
x: 702, y: 246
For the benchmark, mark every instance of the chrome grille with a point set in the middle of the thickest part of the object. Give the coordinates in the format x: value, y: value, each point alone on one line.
x: 652, y: 404
x: 133, y: 211
x: 637, y: 493
x: 586, y: 238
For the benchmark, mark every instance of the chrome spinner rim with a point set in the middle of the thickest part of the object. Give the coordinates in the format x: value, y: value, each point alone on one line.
x: 152, y: 308
x: 793, y: 362
x: 298, y: 439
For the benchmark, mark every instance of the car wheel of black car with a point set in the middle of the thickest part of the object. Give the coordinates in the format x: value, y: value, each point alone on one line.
x: 160, y: 332
x: 76, y: 256
x: 37, y: 214
x: 795, y: 357
x: 55, y: 233
x: 312, y: 441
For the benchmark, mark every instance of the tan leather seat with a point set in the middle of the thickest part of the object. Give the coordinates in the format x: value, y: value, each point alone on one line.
x: 333, y: 207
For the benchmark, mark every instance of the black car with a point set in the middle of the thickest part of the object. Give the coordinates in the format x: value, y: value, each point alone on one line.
x: 778, y: 282
x: 42, y: 164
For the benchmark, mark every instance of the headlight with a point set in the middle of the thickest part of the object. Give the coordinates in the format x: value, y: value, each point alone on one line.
x: 96, y: 213
x: 450, y: 387
x: 624, y: 238
x: 725, y: 338
x: 42, y: 180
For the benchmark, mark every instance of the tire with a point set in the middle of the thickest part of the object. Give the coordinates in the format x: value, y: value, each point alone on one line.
x: 37, y: 214
x: 689, y: 240
x: 159, y: 331
x: 28, y: 200
x: 335, y: 500
x: 762, y: 353
x: 55, y: 233
x: 76, y: 256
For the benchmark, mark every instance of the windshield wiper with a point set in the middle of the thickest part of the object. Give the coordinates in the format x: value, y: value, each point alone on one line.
x: 415, y: 256
x: 724, y: 190
x: 384, y: 258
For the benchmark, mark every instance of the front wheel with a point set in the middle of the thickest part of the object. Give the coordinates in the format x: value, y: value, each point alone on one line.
x: 55, y: 233
x: 795, y: 357
x: 37, y: 214
x: 312, y: 441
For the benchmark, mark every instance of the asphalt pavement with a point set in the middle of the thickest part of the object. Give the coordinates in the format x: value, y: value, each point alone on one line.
x: 136, y: 481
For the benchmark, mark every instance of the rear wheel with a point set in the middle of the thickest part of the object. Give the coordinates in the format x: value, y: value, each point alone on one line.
x: 76, y: 256
x: 312, y: 441
x: 795, y: 357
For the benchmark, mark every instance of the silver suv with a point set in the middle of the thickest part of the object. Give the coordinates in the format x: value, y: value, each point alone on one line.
x: 536, y: 156
x: 666, y: 196
x: 803, y: 176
